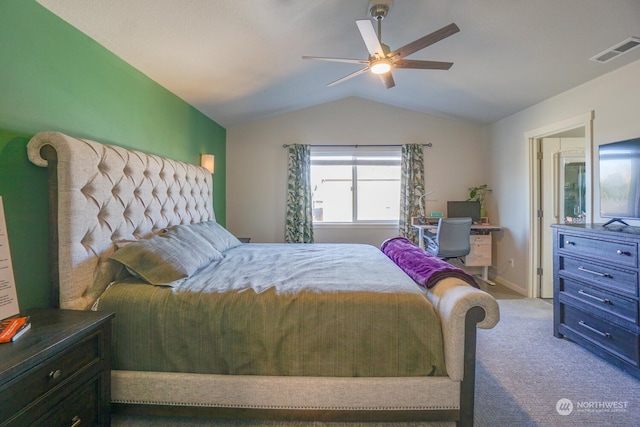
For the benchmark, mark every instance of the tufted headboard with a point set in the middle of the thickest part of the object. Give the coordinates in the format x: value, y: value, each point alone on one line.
x: 99, y: 194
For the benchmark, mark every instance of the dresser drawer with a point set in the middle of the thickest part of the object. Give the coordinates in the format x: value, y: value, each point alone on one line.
x: 617, y: 280
x: 38, y: 381
x: 619, y: 253
x: 611, y: 338
x: 617, y: 307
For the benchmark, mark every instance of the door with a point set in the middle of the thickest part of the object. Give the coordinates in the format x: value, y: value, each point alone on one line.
x: 562, y: 198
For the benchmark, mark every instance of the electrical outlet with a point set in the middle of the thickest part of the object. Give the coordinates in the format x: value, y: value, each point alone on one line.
x: 511, y: 262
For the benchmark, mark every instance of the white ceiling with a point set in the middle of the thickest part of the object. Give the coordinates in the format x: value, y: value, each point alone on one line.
x: 240, y: 60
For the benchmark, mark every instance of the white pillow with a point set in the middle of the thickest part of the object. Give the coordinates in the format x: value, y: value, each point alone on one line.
x: 218, y: 236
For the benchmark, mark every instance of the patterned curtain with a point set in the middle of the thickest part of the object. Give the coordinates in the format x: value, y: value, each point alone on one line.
x: 412, y: 188
x: 299, y: 225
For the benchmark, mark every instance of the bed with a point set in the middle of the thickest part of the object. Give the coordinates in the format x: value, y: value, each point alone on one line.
x: 368, y: 343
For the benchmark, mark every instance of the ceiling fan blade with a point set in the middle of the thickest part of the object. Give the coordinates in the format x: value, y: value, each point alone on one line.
x: 347, y: 60
x: 370, y: 38
x: 423, y: 65
x: 387, y: 79
x: 425, y: 41
x: 347, y: 77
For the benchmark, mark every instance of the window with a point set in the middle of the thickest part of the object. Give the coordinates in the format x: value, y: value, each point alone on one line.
x: 356, y: 188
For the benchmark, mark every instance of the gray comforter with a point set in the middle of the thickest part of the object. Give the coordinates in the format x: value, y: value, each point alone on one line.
x: 280, y: 309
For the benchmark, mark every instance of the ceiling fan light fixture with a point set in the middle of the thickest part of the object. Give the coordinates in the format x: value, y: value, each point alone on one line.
x: 381, y: 59
x: 380, y: 66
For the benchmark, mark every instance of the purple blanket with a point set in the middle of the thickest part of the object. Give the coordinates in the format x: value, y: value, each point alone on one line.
x: 423, y: 267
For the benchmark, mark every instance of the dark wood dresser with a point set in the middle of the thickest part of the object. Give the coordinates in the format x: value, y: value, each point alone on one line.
x: 59, y: 372
x: 596, y: 291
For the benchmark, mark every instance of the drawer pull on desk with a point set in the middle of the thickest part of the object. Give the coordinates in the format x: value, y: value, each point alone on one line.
x: 594, y: 330
x: 602, y: 300
x: 621, y: 252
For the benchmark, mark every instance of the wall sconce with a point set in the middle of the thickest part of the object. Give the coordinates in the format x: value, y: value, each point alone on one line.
x: 207, y: 161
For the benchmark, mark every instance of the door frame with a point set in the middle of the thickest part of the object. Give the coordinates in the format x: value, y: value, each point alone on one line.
x: 532, y: 137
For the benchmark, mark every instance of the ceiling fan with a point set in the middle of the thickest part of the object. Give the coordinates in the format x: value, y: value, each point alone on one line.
x: 381, y: 58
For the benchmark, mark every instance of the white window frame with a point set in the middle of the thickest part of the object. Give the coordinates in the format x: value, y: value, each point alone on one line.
x: 358, y: 157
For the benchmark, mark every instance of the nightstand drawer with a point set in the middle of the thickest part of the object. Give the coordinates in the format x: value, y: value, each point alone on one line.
x: 611, y: 338
x: 80, y: 409
x: 39, y: 381
x: 619, y: 253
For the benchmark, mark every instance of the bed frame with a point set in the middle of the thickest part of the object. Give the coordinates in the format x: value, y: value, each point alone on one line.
x: 100, y: 193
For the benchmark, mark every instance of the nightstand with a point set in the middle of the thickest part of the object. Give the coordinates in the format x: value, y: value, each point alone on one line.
x: 59, y: 372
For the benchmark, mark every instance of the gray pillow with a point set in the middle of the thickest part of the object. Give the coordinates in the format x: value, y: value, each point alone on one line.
x: 168, y: 257
x: 218, y: 236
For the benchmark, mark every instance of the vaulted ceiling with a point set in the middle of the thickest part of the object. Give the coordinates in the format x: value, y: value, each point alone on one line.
x: 239, y: 61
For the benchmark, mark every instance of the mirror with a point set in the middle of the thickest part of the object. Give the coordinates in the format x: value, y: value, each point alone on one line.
x: 573, y: 188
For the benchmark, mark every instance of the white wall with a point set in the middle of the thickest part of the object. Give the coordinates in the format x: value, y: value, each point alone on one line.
x: 256, y: 162
x: 615, y: 99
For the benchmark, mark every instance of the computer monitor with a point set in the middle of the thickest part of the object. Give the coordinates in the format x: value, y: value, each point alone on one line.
x: 463, y: 209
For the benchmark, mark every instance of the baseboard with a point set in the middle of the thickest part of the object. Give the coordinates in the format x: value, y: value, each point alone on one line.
x: 510, y: 285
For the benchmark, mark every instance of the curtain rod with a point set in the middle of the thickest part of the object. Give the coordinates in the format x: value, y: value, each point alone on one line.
x: 428, y: 144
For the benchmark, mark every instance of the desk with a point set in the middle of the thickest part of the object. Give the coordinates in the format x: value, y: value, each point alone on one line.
x: 480, y: 239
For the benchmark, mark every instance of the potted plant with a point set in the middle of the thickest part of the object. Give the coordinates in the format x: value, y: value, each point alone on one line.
x: 477, y: 194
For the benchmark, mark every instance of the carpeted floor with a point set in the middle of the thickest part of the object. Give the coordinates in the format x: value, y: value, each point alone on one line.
x: 522, y: 372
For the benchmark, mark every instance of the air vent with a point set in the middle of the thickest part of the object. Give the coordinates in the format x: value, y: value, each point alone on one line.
x: 617, y: 50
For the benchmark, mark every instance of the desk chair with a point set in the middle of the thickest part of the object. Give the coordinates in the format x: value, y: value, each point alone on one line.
x: 451, y: 239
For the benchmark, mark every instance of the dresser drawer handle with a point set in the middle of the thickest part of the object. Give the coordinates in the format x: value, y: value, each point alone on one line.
x: 76, y: 421
x: 592, y: 329
x: 602, y: 300
x: 621, y: 252
x: 596, y: 273
x: 54, y: 375
x: 569, y: 243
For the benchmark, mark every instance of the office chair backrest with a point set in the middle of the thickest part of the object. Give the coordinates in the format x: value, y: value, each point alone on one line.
x: 453, y: 237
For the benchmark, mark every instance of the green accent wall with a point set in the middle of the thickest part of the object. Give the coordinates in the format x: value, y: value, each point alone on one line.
x: 55, y: 78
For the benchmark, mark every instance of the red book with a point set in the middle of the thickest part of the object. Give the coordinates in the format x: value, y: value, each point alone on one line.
x: 10, y: 327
